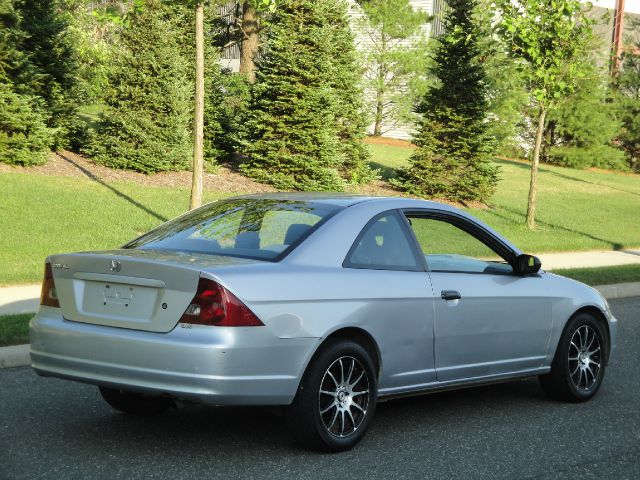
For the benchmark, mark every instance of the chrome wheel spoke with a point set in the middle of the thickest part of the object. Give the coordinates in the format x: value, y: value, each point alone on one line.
x: 351, y: 368
x: 326, y: 392
x: 331, y: 405
x: 333, y: 420
x: 341, y: 372
x: 359, y: 407
x: 353, y: 422
x: 342, y: 422
x: 355, y: 394
x: 333, y: 378
x: 357, y: 380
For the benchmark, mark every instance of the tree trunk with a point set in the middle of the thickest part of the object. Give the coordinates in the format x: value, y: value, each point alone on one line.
x: 377, y: 127
x: 531, y: 205
x: 198, y: 123
x: 250, y: 41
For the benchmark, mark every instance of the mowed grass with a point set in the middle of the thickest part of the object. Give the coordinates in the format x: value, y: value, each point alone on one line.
x: 39, y: 216
x: 42, y: 215
x: 603, y: 275
x: 14, y: 329
x: 576, y: 209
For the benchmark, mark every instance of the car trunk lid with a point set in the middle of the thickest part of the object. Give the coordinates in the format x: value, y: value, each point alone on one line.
x: 135, y: 289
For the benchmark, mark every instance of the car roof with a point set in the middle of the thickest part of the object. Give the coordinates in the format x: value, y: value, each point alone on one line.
x: 346, y: 199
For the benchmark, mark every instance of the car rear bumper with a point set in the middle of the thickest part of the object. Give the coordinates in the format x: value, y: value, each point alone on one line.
x: 214, y: 365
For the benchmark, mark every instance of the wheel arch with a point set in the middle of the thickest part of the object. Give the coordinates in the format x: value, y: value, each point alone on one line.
x: 358, y: 335
x: 599, y: 315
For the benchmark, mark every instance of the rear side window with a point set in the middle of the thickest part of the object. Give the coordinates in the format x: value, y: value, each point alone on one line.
x: 252, y: 228
x: 383, y: 245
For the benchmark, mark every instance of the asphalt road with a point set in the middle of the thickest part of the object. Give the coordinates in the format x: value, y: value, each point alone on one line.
x: 56, y: 429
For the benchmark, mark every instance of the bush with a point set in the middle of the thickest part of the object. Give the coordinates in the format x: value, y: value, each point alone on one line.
x: 24, y: 137
x: 305, y: 121
x: 146, y: 124
x: 453, y: 158
x: 452, y: 161
x: 601, y: 156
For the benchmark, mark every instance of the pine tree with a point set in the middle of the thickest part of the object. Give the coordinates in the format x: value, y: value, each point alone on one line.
x: 351, y: 114
x: 628, y: 87
x: 453, y: 159
x: 51, y: 52
x: 24, y: 136
x: 147, y: 125
x: 581, y: 131
x: 303, y: 125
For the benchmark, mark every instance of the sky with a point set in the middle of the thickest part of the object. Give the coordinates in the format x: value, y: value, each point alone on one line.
x: 631, y: 6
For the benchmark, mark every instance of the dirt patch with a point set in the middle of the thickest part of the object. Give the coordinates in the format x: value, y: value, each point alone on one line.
x: 69, y: 164
x: 393, y: 142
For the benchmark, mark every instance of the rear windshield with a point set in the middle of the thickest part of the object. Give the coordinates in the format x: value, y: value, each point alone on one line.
x: 252, y: 228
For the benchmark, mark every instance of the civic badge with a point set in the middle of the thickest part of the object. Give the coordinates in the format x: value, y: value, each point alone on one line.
x: 115, y: 266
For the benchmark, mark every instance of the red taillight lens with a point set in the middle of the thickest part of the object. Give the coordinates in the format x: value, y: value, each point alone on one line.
x: 48, y: 294
x: 216, y: 306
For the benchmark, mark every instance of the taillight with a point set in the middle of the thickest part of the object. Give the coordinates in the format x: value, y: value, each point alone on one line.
x: 48, y: 294
x: 216, y: 306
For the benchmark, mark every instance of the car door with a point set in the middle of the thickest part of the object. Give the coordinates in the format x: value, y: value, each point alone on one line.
x: 384, y: 269
x: 488, y: 320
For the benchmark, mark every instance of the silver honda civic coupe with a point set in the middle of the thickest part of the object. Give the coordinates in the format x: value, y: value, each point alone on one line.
x: 322, y: 304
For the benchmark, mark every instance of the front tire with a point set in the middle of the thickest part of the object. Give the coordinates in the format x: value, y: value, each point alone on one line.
x: 578, y: 367
x: 135, y: 403
x: 336, y: 399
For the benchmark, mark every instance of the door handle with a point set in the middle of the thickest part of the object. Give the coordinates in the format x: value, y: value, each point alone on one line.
x: 450, y: 295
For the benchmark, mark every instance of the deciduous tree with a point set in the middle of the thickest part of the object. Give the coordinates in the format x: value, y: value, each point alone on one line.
x: 546, y: 40
x: 394, y: 60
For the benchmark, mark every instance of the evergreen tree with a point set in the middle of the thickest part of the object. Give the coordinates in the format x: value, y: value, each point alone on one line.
x: 147, y: 125
x: 581, y: 131
x: 49, y: 49
x: 453, y: 159
x: 300, y: 131
x: 24, y: 137
x: 628, y: 86
x: 350, y: 107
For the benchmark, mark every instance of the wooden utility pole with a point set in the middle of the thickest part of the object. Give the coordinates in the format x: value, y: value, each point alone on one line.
x: 198, y: 123
x: 618, y: 29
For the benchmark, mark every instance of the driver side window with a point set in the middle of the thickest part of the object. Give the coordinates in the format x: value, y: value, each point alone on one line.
x: 448, y: 248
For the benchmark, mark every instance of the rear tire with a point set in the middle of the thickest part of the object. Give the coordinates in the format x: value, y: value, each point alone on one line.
x: 578, y: 366
x: 336, y: 399
x: 135, y: 403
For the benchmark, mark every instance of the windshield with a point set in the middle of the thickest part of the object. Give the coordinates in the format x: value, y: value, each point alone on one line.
x: 263, y: 229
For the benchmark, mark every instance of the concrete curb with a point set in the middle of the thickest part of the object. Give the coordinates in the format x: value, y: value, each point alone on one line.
x: 15, y: 356
x: 18, y: 356
x: 619, y: 290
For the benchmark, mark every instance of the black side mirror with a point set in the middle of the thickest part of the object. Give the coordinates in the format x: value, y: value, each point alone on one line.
x: 527, y: 264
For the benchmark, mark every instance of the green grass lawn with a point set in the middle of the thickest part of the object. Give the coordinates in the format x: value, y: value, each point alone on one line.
x: 14, y: 329
x: 577, y: 210
x: 44, y: 215
x: 603, y: 275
